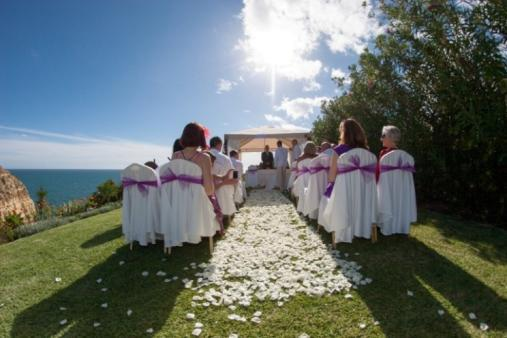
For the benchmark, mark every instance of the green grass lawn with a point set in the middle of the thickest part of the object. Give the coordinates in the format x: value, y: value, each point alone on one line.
x: 455, y: 266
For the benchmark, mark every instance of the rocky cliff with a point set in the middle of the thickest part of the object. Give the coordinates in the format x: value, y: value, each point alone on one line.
x: 14, y: 197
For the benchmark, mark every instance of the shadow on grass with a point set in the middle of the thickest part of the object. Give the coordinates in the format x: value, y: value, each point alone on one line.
x: 150, y: 298
x: 400, y: 263
x: 489, y: 242
x: 102, y: 238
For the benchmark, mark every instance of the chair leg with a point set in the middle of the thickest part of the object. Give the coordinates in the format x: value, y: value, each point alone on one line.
x: 211, y: 244
x: 333, y: 240
x: 131, y: 245
x: 167, y: 250
x: 318, y: 227
x: 374, y: 233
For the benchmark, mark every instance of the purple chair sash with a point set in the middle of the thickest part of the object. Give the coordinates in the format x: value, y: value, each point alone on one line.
x: 400, y: 166
x: 315, y: 170
x: 302, y: 171
x: 294, y: 170
x: 141, y: 185
x: 368, y: 171
x: 184, y: 180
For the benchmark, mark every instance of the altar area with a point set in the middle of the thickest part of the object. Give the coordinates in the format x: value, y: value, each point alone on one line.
x: 254, y: 140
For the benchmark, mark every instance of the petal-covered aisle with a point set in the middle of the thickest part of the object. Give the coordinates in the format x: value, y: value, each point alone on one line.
x: 270, y: 254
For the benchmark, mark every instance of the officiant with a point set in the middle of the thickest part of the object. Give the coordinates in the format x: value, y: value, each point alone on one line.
x: 267, y: 158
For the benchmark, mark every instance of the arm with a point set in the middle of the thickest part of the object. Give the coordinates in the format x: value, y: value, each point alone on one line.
x: 207, y: 176
x: 333, y: 169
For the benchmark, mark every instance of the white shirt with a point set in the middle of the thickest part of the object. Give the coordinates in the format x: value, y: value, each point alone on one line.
x: 281, y: 155
x: 238, y: 165
x: 222, y: 163
x: 296, y: 152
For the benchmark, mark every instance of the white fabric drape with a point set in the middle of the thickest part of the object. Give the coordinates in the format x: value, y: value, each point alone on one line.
x: 396, y: 195
x: 186, y: 212
x: 140, y: 211
x: 352, y: 207
x: 317, y: 183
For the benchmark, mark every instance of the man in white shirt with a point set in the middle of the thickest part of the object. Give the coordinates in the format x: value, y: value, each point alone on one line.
x: 281, y: 156
x: 239, y: 189
x: 221, y: 167
x: 295, y: 151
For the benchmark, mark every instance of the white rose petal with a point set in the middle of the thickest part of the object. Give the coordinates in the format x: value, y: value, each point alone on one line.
x: 63, y: 321
x: 58, y: 279
x: 104, y: 305
x: 472, y: 316
x: 190, y: 316
x: 441, y: 312
x: 484, y: 327
x: 62, y: 308
x: 410, y: 293
x: 362, y: 325
x: 257, y: 314
x: 96, y: 324
x: 103, y: 289
x: 145, y: 273
x: 304, y: 335
x: 348, y: 296
x: 256, y: 320
x: 129, y: 312
x: 99, y: 280
x: 196, y: 332
x: 233, y: 335
x: 121, y: 262
x: 198, y: 325
x: 150, y: 330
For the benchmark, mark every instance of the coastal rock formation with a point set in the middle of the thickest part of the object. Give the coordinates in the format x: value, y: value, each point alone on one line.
x: 14, y: 197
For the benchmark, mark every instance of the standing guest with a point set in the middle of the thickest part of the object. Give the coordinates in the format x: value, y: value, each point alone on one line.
x: 281, y: 157
x: 267, y: 158
x: 295, y: 151
x: 390, y: 138
x: 239, y: 189
x: 310, y: 151
x: 351, y: 136
x: 223, y: 168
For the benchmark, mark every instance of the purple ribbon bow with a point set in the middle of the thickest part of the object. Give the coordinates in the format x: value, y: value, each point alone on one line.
x: 368, y: 171
x: 184, y: 180
x: 303, y: 170
x: 315, y: 170
x: 141, y: 185
x: 400, y: 166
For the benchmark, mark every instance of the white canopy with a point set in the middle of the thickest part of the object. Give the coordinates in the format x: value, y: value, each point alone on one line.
x: 254, y: 139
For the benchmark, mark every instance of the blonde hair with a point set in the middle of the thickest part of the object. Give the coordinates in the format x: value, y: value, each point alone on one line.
x: 310, y: 148
x: 391, y: 132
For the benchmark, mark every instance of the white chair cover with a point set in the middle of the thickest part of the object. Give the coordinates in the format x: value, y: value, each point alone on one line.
x: 301, y: 183
x: 238, y: 192
x: 317, y: 182
x: 396, y: 194
x: 293, y: 175
x: 186, y: 212
x: 352, y: 207
x: 141, y: 205
x: 252, y: 179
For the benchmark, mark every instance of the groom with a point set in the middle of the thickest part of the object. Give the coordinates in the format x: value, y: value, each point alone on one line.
x: 221, y: 167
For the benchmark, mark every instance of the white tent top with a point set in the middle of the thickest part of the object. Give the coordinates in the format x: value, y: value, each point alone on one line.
x: 254, y: 139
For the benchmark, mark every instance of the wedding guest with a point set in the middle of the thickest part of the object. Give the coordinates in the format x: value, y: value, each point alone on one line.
x: 267, y: 158
x: 223, y: 168
x: 295, y: 151
x: 238, y: 165
x: 239, y: 189
x: 310, y: 151
x: 177, y: 146
x: 281, y: 157
x: 351, y: 136
x: 390, y: 138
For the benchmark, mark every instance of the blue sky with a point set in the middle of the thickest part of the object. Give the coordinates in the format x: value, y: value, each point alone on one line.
x: 100, y: 84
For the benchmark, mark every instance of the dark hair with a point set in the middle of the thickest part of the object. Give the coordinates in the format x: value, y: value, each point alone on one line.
x: 279, y: 143
x: 233, y: 153
x: 151, y: 164
x: 352, y: 134
x: 177, y: 145
x: 215, y: 140
x: 193, y: 136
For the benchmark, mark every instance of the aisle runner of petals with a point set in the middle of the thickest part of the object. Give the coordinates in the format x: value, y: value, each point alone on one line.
x: 271, y: 254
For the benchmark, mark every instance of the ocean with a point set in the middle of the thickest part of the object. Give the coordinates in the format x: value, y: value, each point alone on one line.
x: 64, y: 185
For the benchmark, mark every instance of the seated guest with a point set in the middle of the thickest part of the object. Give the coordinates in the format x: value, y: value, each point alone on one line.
x: 310, y: 151
x: 390, y: 138
x: 351, y: 136
x: 267, y: 158
x: 223, y: 168
x: 152, y: 164
x: 192, y: 141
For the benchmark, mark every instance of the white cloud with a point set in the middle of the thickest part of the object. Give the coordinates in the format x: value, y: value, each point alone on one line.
x: 312, y: 86
x: 338, y: 73
x: 279, y: 122
x: 301, y: 107
x: 282, y: 34
x: 224, y: 85
x: 45, y: 150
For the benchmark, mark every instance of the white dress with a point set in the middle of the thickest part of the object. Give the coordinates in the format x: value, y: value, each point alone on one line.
x: 396, y: 194
x: 225, y: 194
x: 140, y: 211
x: 317, y: 182
x: 293, y: 175
x: 239, y: 195
x: 352, y: 207
x: 186, y: 212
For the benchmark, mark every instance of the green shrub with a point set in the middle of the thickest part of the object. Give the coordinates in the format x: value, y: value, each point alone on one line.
x: 107, y: 192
